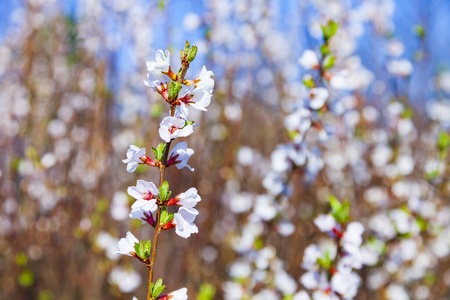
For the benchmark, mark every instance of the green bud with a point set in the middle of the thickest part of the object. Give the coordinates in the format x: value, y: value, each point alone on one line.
x: 328, y: 62
x: 324, y: 50
x: 329, y: 30
x: 292, y: 134
x: 142, y: 249
x: 166, y: 217
x: 308, y: 80
x: 174, y: 89
x: 159, y: 151
x: 164, y: 192
x: 407, y: 113
x: 192, y: 53
x: 325, y: 262
x: 419, y: 30
x: 187, y: 45
x: 206, y: 292
x: 157, y: 288
x: 340, y: 211
x: 431, y: 175
x: 443, y: 141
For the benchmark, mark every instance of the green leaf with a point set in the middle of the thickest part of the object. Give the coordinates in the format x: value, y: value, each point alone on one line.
x: 292, y: 134
x: 420, y: 31
x: 159, y: 151
x: 164, y: 192
x: 21, y: 259
x: 156, y: 110
x: 206, y: 292
x: 443, y: 141
x: 187, y: 45
x: 407, y: 113
x: 334, y: 203
x: 157, y: 288
x: 148, y: 247
x: 161, y: 5
x: 192, y: 53
x: 138, y: 249
x: 328, y: 62
x: 45, y: 295
x: 174, y: 89
x: 341, y: 212
x: 324, y: 50
x: 165, y: 216
x: 26, y: 278
x: 422, y: 223
x: 431, y: 175
x: 308, y: 80
x: 325, y: 261
x: 329, y: 30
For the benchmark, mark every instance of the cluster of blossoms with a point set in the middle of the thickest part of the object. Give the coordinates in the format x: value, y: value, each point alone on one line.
x: 152, y: 203
x: 330, y: 268
x: 343, y: 156
x: 270, y: 209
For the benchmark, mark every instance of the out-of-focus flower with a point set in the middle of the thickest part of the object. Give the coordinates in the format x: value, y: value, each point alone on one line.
x: 309, y: 60
x: 318, y: 97
x: 351, y: 238
x: 325, y: 223
x: 400, y: 67
x: 346, y: 284
x: 126, y: 279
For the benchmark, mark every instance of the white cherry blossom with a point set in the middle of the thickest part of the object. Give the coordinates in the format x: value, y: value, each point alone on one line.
x: 180, y: 155
x: 126, y: 245
x: 134, y: 155
x: 184, y: 221
x: 172, y: 127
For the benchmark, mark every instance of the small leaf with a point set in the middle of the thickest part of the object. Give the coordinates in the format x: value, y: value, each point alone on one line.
x: 206, y: 292
x: 148, y: 247
x: 407, y: 113
x: 157, y: 288
x: 419, y: 31
x: 192, y: 53
x: 26, y: 278
x: 325, y: 261
x: 164, y: 192
x: 334, y: 203
x: 308, y: 80
x: 292, y: 134
x: 431, y: 175
x: 137, y: 249
x: 329, y: 30
x: 159, y: 151
x: 165, y: 216
x: 328, y: 62
x: 324, y: 50
x: 174, y: 89
x: 443, y: 141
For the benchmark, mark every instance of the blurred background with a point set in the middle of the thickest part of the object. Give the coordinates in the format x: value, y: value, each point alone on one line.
x: 72, y: 100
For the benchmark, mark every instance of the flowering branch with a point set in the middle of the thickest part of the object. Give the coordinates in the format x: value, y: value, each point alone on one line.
x: 151, y: 200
